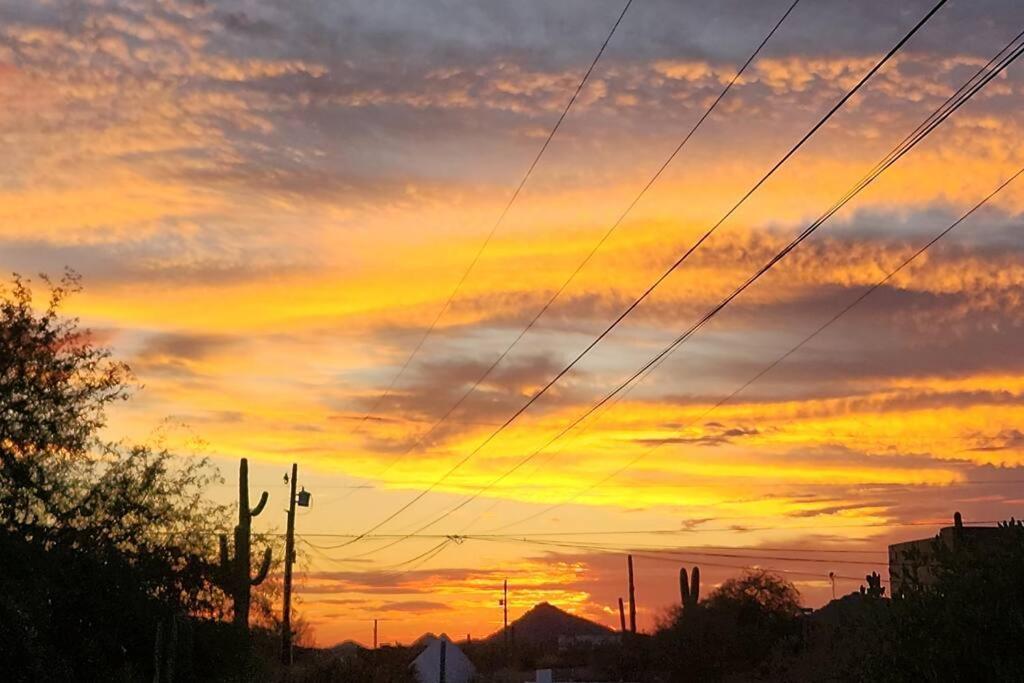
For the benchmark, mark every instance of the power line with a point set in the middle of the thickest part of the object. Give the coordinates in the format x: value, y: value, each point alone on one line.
x: 702, y: 550
x: 741, y: 556
x: 736, y: 528
x: 944, y: 111
x: 600, y: 243
x: 433, y: 552
x: 664, y: 551
x: 663, y: 276
x: 667, y: 557
x: 501, y: 217
x: 773, y: 548
x: 931, y: 123
x: 700, y: 323
x: 920, y: 127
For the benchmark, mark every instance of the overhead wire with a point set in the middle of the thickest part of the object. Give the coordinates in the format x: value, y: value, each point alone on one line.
x: 599, y: 244
x: 932, y: 122
x: 733, y: 556
x: 751, y: 553
x: 946, y: 109
x: 501, y: 218
x: 692, y: 549
x: 540, y: 392
x: 772, y: 548
x: 676, y: 558
x: 710, y: 314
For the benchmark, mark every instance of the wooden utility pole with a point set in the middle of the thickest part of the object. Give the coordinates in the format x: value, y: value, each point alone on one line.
x: 504, y: 602
x: 622, y: 616
x: 289, y: 558
x: 444, y: 664
x: 374, y: 634
x: 632, y: 595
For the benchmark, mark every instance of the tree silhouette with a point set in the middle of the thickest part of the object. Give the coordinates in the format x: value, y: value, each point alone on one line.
x: 99, y: 541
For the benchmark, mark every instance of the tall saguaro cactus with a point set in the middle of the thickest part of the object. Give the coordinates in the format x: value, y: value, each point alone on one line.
x: 632, y: 594
x: 689, y: 591
x: 235, y: 570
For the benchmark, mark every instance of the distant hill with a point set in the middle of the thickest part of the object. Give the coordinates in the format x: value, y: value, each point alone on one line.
x: 346, y: 649
x: 545, y: 623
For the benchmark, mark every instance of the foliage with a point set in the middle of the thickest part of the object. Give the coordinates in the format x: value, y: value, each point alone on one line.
x: 965, y: 623
x: 968, y: 625
x: 99, y: 541
x: 759, y: 593
x: 737, y: 630
x: 385, y: 665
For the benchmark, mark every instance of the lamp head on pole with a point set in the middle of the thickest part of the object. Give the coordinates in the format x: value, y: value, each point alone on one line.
x: 302, y: 498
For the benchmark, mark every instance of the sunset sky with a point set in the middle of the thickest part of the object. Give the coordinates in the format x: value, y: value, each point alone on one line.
x: 269, y: 202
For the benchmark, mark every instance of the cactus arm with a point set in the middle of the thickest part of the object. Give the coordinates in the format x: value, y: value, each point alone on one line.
x: 264, y: 568
x: 260, y: 505
x: 684, y: 587
x: 243, y: 489
x: 695, y: 585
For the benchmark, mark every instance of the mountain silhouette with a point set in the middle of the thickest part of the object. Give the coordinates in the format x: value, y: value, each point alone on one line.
x: 545, y: 623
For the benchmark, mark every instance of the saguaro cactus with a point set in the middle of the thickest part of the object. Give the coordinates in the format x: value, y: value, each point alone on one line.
x: 235, y: 570
x: 689, y: 591
x: 875, y: 588
x: 632, y: 594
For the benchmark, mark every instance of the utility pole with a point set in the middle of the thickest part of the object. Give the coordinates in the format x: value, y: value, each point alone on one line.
x: 302, y: 500
x: 622, y: 618
x: 504, y: 603
x: 289, y: 553
x: 374, y: 634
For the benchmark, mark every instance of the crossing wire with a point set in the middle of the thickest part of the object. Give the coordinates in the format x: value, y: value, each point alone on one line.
x: 773, y: 548
x: 945, y: 107
x: 662, y: 550
x: 777, y: 361
x: 658, y: 358
x: 664, y: 557
x: 835, y: 108
x: 597, y: 246
x: 700, y: 323
x: 501, y: 219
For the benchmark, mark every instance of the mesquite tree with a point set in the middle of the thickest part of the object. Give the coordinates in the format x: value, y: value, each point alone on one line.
x: 99, y: 540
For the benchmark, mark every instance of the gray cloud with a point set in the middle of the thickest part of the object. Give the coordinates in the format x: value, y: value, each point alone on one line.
x: 185, y: 346
x: 1006, y: 439
x: 719, y: 436
x: 435, y: 386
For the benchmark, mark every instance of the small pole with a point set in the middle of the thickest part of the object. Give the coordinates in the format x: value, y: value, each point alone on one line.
x: 444, y: 665
x: 622, y: 616
x: 289, y: 558
x: 504, y: 603
x: 374, y: 634
x: 632, y: 595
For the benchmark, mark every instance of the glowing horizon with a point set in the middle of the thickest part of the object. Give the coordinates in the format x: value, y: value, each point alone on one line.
x: 269, y: 204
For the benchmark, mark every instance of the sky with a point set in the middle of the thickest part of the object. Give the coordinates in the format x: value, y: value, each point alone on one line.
x: 270, y: 202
